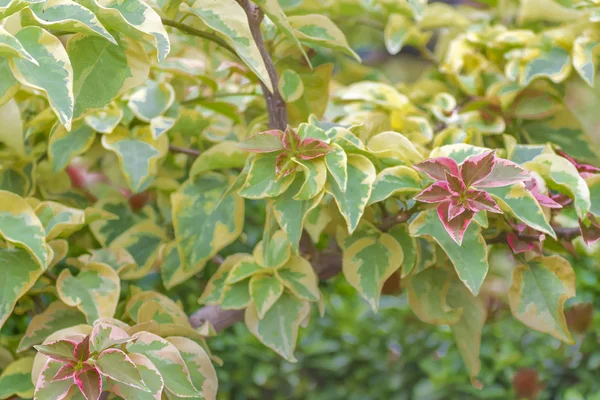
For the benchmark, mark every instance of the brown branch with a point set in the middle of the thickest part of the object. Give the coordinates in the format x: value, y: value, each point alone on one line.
x: 184, y: 150
x: 276, y: 107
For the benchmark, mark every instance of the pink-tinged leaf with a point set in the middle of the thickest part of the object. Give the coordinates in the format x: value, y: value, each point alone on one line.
x: 456, y: 227
x: 89, y: 383
x: 479, y: 200
x: 284, y: 165
x: 46, y: 389
x: 264, y: 142
x: 454, y: 210
x: 435, y: 193
x: 517, y: 245
x: 544, y: 200
x: 82, y: 349
x: 455, y: 184
x: 312, y: 148
x: 505, y: 173
x: 590, y: 230
x: 117, y: 365
x: 67, y: 371
x: 437, y: 168
x: 290, y: 140
x: 562, y: 199
x: 60, y: 350
x: 585, y: 170
x: 477, y: 168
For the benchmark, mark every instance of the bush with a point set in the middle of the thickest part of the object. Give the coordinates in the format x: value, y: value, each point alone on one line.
x: 157, y: 155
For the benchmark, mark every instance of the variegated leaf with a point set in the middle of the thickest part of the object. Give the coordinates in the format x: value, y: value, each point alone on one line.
x: 52, y: 74
x: 46, y: 388
x: 202, y: 372
x: 207, y: 216
x: 369, y: 262
x: 9, y: 7
x: 64, y: 15
x: 95, y: 290
x: 393, y: 145
x: 427, y: 293
x: 278, y: 329
x: 470, y: 259
x: 105, y: 231
x: 11, y: 130
x: 236, y: 296
x: 352, y: 201
x: 116, y: 365
x: 409, y: 247
x: 214, y: 287
x: 265, y: 290
x: 299, y: 277
x: 273, y: 251
x: 320, y: 30
x: 64, y: 145
x: 554, y: 63
x: 538, y: 293
x: 167, y: 360
x: 134, y: 18
x: 56, y: 317
x: 104, y: 120
x: 15, y: 379
x: 337, y: 165
x: 151, y: 376
x: 585, y: 50
x: 151, y: 100
x: 134, y: 306
x: 138, y: 152
x: 105, y: 335
x: 229, y: 19
x: 103, y: 70
x: 563, y: 177
x: 11, y: 47
x: 262, y: 180
x: 9, y: 85
x: 223, y: 155
x: 59, y: 220
x: 519, y: 201
x: 315, y: 176
x: 399, y: 179
x: 290, y: 85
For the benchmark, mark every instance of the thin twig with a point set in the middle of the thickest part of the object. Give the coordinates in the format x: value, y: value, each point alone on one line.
x: 198, y: 33
x: 276, y: 106
x: 189, y: 152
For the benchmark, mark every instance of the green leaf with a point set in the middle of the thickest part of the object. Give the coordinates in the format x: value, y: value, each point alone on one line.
x: 315, y: 176
x: 299, y: 277
x: 273, y: 10
x: 538, y: 293
x: 427, y: 293
x: 58, y: 219
x: 470, y: 260
x: 57, y: 316
x: 265, y: 291
x: 138, y: 153
x: 564, y: 129
x: 291, y: 213
x: 202, y: 372
x: 46, y: 388
x: 278, y: 330
x: 593, y: 184
x: 585, y: 51
x: 105, y: 231
x: 207, y: 216
x: 9, y: 7
x: 393, y: 145
x: 11, y: 130
x: 115, y: 364
x: 167, y: 360
x: 104, y: 120
x: 409, y: 247
x: 11, y: 47
x: 353, y: 200
x: 467, y: 331
x: 103, y: 70
x: 20, y: 225
x: 399, y: 179
x: 151, y: 376
x: 397, y: 31
x: 243, y: 269
x: 236, y: 296
x: 134, y: 307
x: 53, y: 73
x: 555, y: 64
x: 519, y: 201
x: 151, y: 100
x: 8, y: 84
x: 224, y: 155
x: 133, y: 18
x: 337, y: 165
x: 262, y: 180
x: 15, y: 379
x: 229, y: 19
x: 64, y: 15
x: 214, y: 287
x: 290, y: 85
x: 320, y: 30
x: 562, y: 176
x: 369, y: 262
x: 19, y: 273
x: 94, y: 291
x: 105, y: 335
x: 64, y: 145
x: 273, y: 251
